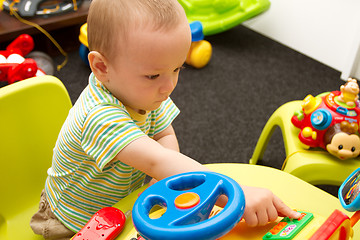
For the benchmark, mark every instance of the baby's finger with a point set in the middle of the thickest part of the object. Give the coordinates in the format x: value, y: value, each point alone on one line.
x: 272, y: 214
x: 251, y: 219
x: 262, y: 217
x: 284, y: 210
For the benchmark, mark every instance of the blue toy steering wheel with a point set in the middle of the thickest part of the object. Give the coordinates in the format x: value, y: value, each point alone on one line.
x: 189, y: 199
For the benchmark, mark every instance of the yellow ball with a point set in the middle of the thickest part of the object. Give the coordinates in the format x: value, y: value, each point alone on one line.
x: 200, y: 54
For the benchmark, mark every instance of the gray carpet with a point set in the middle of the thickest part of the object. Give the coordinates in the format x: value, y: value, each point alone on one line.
x: 225, y: 105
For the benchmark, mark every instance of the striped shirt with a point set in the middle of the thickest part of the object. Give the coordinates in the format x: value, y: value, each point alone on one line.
x: 82, y: 178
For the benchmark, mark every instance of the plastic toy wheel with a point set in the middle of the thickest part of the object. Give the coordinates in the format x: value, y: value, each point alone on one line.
x: 83, y: 52
x: 189, y: 199
x: 199, y: 54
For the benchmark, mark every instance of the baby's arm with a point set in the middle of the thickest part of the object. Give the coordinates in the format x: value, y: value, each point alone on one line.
x: 159, y: 162
x: 167, y: 138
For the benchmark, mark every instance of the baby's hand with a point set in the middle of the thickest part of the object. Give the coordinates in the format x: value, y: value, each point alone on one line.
x: 262, y: 206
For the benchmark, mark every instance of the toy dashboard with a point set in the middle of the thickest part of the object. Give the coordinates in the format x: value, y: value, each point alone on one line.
x: 319, y: 208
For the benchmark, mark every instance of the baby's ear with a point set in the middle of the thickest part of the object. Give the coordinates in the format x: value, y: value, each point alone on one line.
x: 98, y: 65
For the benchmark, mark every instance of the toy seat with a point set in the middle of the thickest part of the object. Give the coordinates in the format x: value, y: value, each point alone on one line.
x: 315, y: 166
x: 32, y: 113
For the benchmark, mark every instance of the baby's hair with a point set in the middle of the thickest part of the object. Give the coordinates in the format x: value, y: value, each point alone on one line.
x: 110, y: 19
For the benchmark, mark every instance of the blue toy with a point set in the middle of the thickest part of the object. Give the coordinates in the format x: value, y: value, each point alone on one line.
x: 349, y: 192
x: 189, y: 199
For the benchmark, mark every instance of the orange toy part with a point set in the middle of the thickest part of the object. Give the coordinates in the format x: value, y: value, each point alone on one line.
x: 187, y: 200
x: 355, y: 218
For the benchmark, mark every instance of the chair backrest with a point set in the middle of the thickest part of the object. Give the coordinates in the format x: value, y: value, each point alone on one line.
x: 32, y: 112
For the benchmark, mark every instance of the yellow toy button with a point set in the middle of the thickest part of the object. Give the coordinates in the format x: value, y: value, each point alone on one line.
x: 307, y: 132
x: 310, y: 103
x: 187, y: 200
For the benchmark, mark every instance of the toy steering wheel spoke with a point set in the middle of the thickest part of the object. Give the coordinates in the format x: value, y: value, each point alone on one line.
x: 166, y: 193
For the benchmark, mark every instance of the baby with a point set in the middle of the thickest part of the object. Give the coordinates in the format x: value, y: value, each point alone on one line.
x: 120, y: 128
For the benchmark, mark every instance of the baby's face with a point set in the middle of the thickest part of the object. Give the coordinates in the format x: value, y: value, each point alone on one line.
x: 145, y: 71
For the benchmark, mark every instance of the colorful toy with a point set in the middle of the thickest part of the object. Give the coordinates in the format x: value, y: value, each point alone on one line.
x: 31, y: 8
x: 309, y: 226
x: 105, y: 224
x: 185, y: 210
x: 189, y: 199
x: 331, y: 121
x: 339, y: 225
x: 164, y: 223
x: 221, y: 15
x: 84, y: 46
x: 200, y: 51
x: 13, y: 66
x: 349, y: 192
x: 288, y: 228
x: 335, y: 227
x: 349, y: 92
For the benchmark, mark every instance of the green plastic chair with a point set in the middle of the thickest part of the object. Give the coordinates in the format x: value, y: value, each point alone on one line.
x: 315, y: 166
x: 32, y: 112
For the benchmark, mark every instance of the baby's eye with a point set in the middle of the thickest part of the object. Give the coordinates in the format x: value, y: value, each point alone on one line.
x: 152, y: 77
x: 178, y: 69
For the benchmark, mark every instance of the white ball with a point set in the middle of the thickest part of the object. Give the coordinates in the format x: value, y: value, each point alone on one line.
x: 15, y: 58
x: 3, y: 59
